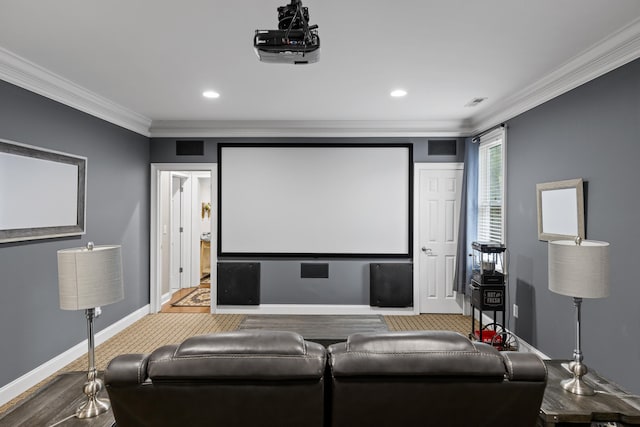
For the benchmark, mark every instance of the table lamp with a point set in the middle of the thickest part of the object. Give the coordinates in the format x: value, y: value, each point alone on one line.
x: 579, y: 269
x: 88, y: 278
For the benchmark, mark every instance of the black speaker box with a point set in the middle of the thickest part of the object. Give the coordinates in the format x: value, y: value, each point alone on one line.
x: 391, y: 284
x: 238, y: 283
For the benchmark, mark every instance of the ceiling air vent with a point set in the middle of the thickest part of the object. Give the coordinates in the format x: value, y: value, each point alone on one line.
x: 474, y: 102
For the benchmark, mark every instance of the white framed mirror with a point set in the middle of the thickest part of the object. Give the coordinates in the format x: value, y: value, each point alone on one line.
x: 561, y: 210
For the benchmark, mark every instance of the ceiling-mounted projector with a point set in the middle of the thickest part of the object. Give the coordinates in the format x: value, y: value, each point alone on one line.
x: 294, y: 42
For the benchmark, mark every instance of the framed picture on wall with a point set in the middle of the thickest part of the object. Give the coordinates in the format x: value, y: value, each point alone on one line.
x: 42, y: 193
x: 561, y: 210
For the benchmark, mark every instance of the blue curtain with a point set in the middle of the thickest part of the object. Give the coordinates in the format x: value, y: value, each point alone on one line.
x: 468, y: 226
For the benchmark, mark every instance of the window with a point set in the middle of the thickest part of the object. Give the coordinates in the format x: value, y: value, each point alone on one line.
x: 491, y: 188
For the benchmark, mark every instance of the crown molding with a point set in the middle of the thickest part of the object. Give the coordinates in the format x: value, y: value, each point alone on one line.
x: 614, y: 51
x: 27, y: 75
x: 306, y: 128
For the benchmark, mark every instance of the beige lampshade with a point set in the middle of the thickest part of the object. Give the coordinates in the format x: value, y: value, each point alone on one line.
x: 579, y: 270
x: 89, y: 278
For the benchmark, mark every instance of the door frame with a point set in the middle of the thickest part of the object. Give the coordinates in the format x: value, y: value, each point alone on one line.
x: 155, y: 253
x: 417, y: 168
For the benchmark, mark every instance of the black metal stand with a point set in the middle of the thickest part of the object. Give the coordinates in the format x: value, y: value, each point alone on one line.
x: 486, y: 298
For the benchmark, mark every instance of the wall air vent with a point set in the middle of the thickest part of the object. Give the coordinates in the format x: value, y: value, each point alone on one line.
x: 190, y: 148
x: 442, y: 147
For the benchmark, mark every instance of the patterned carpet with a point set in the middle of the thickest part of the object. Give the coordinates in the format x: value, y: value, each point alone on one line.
x: 430, y: 322
x: 199, y: 297
x: 156, y: 330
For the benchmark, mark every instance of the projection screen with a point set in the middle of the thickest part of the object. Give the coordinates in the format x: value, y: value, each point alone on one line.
x: 315, y: 200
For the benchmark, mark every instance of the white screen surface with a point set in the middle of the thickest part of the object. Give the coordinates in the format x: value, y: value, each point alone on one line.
x: 309, y: 199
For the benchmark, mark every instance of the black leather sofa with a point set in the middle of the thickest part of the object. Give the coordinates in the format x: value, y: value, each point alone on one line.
x: 269, y: 378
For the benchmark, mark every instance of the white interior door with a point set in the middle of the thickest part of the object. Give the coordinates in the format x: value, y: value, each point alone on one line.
x: 177, y: 233
x: 438, y: 192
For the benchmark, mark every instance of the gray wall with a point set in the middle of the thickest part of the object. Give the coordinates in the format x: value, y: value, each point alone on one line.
x: 33, y: 329
x: 348, y: 281
x: 592, y: 132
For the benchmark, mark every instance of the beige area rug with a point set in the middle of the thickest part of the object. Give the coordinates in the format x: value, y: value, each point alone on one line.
x: 199, y: 297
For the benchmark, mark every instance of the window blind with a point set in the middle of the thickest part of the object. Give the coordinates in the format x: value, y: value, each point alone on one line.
x: 491, y: 189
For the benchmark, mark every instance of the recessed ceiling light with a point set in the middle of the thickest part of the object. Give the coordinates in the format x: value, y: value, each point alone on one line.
x: 399, y: 93
x: 210, y: 94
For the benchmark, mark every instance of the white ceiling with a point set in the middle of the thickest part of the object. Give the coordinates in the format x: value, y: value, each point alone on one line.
x: 143, y: 64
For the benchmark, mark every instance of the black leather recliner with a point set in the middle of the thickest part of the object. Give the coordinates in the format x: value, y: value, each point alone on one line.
x: 267, y: 378
x: 243, y: 378
x: 432, y: 378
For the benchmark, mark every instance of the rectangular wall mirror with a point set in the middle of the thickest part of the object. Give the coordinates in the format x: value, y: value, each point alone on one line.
x: 42, y: 193
x: 561, y: 210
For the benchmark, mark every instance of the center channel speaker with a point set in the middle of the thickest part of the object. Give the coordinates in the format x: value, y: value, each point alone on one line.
x: 238, y: 283
x: 391, y: 284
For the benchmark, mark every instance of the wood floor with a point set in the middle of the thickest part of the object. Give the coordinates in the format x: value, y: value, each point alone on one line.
x: 55, y: 404
x: 168, y: 308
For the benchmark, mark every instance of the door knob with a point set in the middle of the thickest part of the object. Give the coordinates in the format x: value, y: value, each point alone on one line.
x: 427, y: 250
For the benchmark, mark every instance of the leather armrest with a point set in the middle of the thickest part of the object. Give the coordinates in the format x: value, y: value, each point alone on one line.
x: 126, y: 369
x: 524, y: 366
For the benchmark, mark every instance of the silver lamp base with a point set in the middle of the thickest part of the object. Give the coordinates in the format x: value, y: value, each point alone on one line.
x: 577, y: 385
x: 93, y: 406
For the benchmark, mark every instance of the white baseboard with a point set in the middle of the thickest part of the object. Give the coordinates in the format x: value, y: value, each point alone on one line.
x: 525, y: 346
x: 31, y: 378
x: 312, y: 309
x: 165, y: 298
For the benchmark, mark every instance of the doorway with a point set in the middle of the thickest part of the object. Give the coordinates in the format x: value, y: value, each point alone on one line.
x: 437, y: 212
x: 183, y: 203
